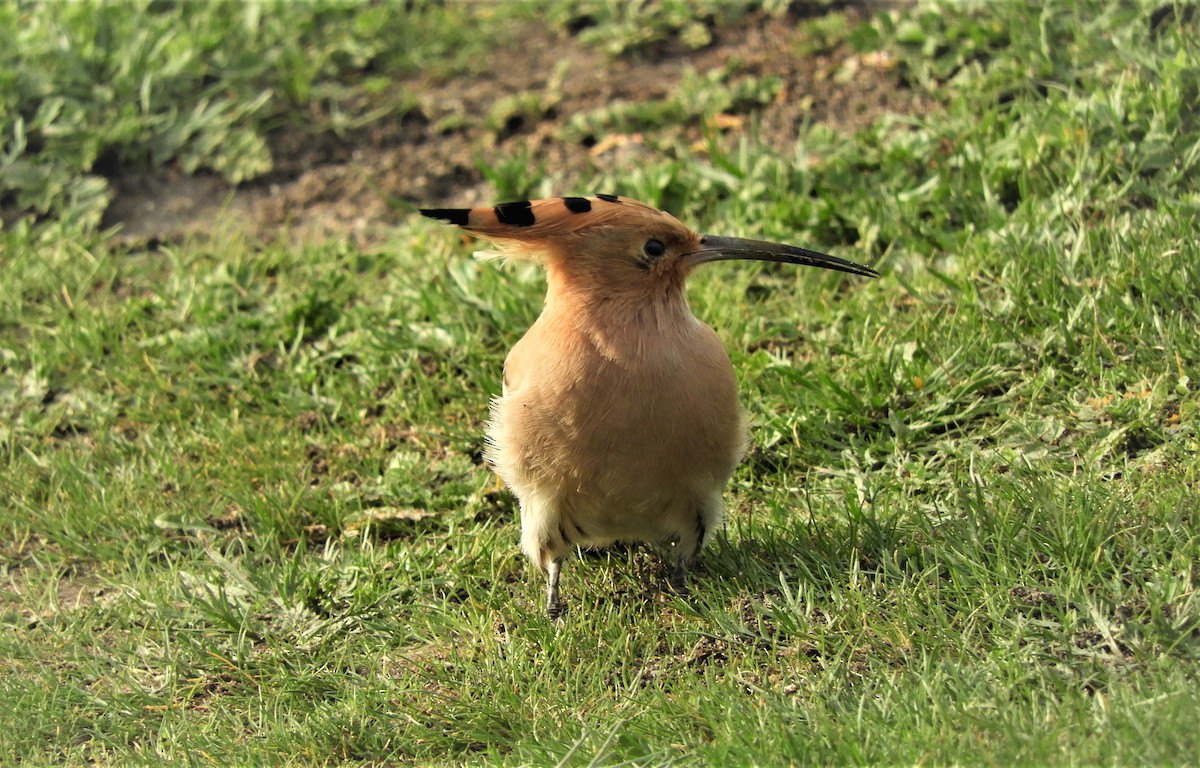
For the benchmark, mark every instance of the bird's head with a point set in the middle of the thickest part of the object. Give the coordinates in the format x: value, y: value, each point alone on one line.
x: 609, y: 244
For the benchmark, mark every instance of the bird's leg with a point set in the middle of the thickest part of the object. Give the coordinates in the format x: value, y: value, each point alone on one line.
x: 678, y: 580
x: 686, y: 548
x: 553, y: 603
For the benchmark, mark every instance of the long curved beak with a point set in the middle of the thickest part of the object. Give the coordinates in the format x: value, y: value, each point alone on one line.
x: 717, y: 248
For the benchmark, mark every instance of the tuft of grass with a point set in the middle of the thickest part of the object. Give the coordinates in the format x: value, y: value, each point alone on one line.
x: 91, y: 88
x: 620, y: 28
x: 244, y: 515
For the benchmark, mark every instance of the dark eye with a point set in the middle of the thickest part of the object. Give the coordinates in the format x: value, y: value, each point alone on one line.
x: 654, y: 248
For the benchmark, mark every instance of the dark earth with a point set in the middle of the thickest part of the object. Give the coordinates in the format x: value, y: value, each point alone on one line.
x: 360, y: 183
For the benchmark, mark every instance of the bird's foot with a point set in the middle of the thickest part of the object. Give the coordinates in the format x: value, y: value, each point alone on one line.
x: 678, y: 580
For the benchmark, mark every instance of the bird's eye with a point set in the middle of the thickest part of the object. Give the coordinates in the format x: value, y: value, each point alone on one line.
x: 654, y: 248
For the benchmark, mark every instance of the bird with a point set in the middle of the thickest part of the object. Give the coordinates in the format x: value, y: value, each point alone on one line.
x: 618, y: 418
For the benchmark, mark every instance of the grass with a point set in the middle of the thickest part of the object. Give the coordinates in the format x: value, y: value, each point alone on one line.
x: 93, y: 88
x: 244, y: 518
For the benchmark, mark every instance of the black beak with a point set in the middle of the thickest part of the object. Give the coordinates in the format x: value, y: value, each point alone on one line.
x: 717, y: 248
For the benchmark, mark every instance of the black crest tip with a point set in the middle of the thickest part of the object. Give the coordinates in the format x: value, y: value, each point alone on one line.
x: 456, y: 216
x: 518, y: 214
x: 577, y: 204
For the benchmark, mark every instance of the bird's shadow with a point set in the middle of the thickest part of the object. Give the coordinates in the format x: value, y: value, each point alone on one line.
x: 761, y: 558
x: 759, y: 561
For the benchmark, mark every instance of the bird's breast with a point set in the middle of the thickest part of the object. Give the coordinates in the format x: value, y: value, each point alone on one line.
x: 632, y: 409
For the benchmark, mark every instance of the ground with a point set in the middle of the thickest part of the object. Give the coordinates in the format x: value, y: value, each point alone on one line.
x: 518, y: 105
x: 246, y: 514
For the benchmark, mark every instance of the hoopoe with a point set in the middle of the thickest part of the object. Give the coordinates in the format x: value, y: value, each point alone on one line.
x: 619, y: 418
